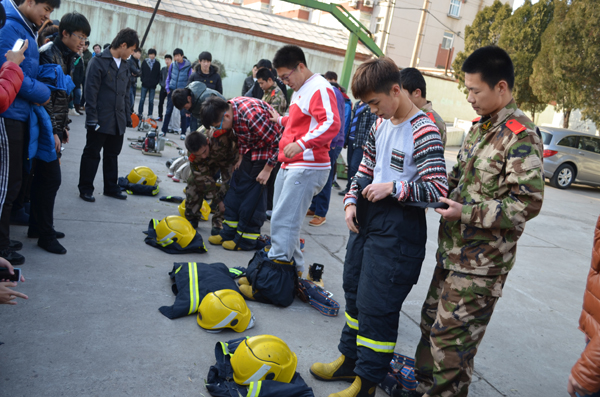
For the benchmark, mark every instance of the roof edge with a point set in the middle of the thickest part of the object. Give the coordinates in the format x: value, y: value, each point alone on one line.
x: 286, y: 40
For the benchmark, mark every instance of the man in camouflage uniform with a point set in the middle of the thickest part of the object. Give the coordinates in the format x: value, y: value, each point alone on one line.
x: 495, y: 188
x: 272, y: 93
x: 210, y: 153
x: 413, y: 82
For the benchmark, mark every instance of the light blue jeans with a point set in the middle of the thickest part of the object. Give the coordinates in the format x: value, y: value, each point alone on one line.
x: 151, y: 92
x: 294, y: 190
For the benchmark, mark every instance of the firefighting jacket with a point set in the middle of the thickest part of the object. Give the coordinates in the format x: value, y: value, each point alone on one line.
x: 219, y: 381
x: 192, y: 282
x: 133, y: 188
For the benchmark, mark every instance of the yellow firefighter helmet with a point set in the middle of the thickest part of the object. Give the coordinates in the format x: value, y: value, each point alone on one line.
x: 142, y: 176
x: 263, y: 357
x: 174, y: 228
x: 225, y: 308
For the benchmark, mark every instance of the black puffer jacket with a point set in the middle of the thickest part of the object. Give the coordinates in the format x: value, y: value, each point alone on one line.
x: 212, y: 79
x: 57, y: 53
x: 135, y: 69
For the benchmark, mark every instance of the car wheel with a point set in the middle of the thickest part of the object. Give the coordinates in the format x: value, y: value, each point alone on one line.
x: 563, y: 177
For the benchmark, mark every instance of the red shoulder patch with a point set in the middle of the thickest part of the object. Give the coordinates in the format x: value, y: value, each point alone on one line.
x: 431, y: 116
x: 476, y: 119
x: 515, y: 126
x: 273, y: 93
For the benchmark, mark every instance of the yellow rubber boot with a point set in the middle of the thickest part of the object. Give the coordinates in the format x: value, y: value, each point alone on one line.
x: 230, y: 245
x: 247, y: 291
x: 359, y: 388
x: 216, y: 240
x: 340, y: 369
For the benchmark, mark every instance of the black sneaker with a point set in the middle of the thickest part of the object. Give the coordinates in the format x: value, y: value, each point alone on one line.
x: 35, y: 234
x: 343, y: 192
x: 15, y: 245
x: 13, y: 257
x: 52, y: 246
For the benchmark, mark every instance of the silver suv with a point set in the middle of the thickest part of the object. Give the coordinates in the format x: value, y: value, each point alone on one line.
x: 570, y: 156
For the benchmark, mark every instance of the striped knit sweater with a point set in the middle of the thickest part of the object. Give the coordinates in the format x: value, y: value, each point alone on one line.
x: 410, y: 153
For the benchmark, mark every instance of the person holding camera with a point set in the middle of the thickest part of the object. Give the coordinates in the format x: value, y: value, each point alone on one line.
x: 7, y: 295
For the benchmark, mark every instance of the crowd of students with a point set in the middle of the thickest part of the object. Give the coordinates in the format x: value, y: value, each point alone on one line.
x: 265, y: 138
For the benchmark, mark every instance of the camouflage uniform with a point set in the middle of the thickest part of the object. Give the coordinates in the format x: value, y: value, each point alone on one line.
x: 499, y: 180
x: 222, y: 157
x: 276, y: 98
x: 437, y: 119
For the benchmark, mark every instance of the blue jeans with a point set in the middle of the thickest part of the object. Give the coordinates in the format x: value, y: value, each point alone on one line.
x: 168, y: 114
x: 77, y: 95
x: 132, y: 98
x: 354, y: 158
x: 320, y: 203
x: 151, y: 92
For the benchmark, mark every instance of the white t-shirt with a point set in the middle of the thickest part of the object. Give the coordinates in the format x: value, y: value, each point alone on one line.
x: 118, y: 62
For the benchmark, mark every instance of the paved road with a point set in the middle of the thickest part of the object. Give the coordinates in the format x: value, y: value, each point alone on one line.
x: 91, y: 326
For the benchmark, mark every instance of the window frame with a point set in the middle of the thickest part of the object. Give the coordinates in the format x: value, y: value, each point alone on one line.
x: 454, y: 5
x: 445, y: 38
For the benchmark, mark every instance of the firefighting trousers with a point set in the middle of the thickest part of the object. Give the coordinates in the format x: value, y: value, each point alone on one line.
x: 245, y: 205
x: 382, y: 263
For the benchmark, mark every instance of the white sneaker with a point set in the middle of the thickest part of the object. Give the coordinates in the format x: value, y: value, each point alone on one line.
x: 182, y: 137
x: 73, y: 112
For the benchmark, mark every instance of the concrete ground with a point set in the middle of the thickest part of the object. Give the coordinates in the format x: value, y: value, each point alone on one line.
x: 91, y: 325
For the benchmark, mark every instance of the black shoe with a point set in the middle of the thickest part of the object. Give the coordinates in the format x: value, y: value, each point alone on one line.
x: 343, y: 192
x: 336, y: 185
x: 87, y: 197
x: 14, y: 258
x: 52, y: 246
x: 215, y: 230
x: 15, y: 245
x: 36, y: 234
x: 119, y: 195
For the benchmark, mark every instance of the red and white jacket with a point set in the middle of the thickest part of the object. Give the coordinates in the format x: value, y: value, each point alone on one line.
x: 313, y: 122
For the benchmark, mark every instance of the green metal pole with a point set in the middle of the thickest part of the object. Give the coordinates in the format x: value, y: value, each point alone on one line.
x: 349, y: 60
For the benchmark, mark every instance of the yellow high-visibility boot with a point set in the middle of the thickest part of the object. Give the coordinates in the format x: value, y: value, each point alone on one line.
x: 359, y: 388
x: 340, y: 369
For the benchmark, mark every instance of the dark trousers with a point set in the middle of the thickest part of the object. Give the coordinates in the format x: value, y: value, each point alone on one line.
x: 320, y: 203
x: 44, y: 186
x: 167, y: 120
x: 244, y: 195
x: 161, y: 101
x: 271, y: 186
x: 132, y: 97
x: 24, y: 195
x: 382, y: 263
x: 90, y: 159
x: 16, y: 131
x: 354, y: 157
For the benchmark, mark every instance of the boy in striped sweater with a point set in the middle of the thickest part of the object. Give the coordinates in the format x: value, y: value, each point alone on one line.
x: 402, y: 169
x: 312, y: 123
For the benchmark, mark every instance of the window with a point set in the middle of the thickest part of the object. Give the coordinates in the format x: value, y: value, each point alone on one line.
x: 447, y: 41
x: 379, y: 25
x: 589, y: 144
x: 546, y: 137
x: 454, y: 8
x: 569, y: 141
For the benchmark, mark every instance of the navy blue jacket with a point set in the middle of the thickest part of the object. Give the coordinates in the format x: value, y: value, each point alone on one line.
x: 32, y: 91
